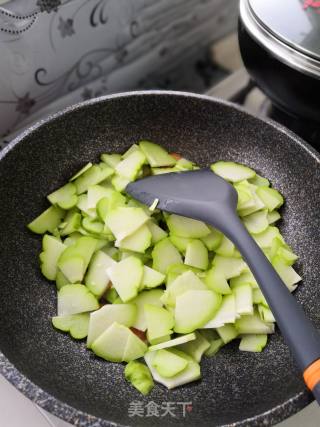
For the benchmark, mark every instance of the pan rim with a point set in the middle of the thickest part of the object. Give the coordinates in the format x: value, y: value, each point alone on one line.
x: 65, y: 411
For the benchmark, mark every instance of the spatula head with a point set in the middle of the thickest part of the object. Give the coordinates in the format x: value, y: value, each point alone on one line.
x: 198, y: 194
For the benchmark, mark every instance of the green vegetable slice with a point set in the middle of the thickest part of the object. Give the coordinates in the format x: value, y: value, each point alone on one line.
x: 76, y: 324
x: 174, y: 342
x: 140, y: 376
x: 189, y: 374
x: 65, y: 197
x: 194, y: 309
x: 127, y: 285
x: 187, y: 227
x: 156, y: 155
x: 124, y: 221
x: 196, y: 348
x: 253, y: 343
x: 197, y: 255
x: 74, y: 299
x: 233, y: 172
x: 164, y: 254
x: 47, y: 221
x: 168, y: 364
x: 52, y: 249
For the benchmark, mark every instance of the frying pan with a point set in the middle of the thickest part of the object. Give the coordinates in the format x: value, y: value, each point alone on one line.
x: 58, y: 373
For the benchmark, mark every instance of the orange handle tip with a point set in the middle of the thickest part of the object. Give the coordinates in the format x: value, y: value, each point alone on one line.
x: 311, y: 375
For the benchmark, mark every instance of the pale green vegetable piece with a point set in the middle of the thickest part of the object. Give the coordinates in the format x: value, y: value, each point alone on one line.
x: 107, y: 204
x: 259, y: 181
x: 233, y: 172
x: 126, y: 277
x: 215, y: 280
x: 118, y: 344
x: 256, y: 222
x: 72, y: 222
x: 227, y: 333
x: 194, y: 309
x: 197, y: 255
x: 186, y: 281
x: 184, y: 165
x: 138, y: 241
x: 215, y: 341
x: 132, y: 149
x: 253, y: 343
x: 164, y: 254
x: 245, y: 278
x: 271, y: 198
x: 61, y: 280
x: 76, y: 324
x: 152, y: 297
x: 65, y: 197
x: 92, y: 225
x: 175, y: 270
x: 187, y: 227
x: 159, y: 340
x: 230, y: 266
x: 196, y: 348
x: 135, y: 348
x: 151, y: 278
x: 161, y: 171
x: 180, y: 243
x: 111, y: 295
x: 81, y: 171
x: 215, y: 346
x: 111, y: 344
x: 74, y: 260
x: 244, y: 299
x: 159, y: 321
x: 139, y: 376
x: 111, y: 159
x: 182, y: 339
x: 287, y: 273
x: 265, y: 238
x: 252, y: 324
x: 265, y: 313
x: 226, y: 313
x: 96, y: 193
x: 120, y: 182
x: 286, y: 255
x: 97, y: 278
x: 226, y: 247
x: 92, y: 176
x: 273, y: 217
x: 83, y: 206
x: 168, y: 364
x: 47, y: 221
x: 212, y: 240
x: 124, y: 221
x: 157, y: 233
x: 74, y: 299
x: 52, y: 249
x: 130, y: 166
x: 189, y: 374
x: 258, y: 298
x: 156, y: 155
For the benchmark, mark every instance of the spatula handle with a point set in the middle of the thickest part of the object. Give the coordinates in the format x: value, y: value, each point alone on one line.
x: 301, y: 336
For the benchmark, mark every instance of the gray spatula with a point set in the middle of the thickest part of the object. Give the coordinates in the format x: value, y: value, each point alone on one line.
x: 205, y: 196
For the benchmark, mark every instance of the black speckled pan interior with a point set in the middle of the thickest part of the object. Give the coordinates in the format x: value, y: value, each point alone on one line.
x: 237, y: 388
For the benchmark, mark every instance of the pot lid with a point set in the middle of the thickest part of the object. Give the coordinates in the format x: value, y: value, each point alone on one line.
x: 288, y: 29
x: 296, y: 22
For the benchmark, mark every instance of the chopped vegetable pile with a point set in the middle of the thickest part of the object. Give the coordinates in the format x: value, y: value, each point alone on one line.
x: 140, y: 283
